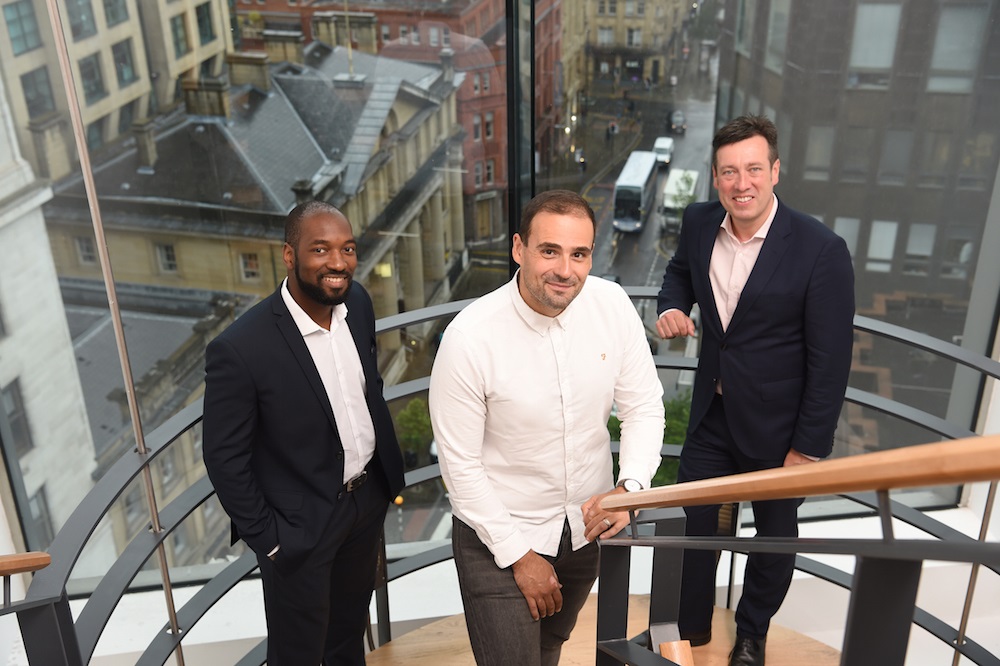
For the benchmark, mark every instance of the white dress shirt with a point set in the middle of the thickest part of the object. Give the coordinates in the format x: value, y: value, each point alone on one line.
x: 519, y: 403
x: 336, y: 358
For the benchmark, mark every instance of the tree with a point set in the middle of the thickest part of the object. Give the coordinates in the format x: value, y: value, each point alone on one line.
x: 413, y: 429
x: 677, y: 411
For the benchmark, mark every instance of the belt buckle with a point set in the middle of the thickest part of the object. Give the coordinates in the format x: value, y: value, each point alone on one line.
x: 357, y: 481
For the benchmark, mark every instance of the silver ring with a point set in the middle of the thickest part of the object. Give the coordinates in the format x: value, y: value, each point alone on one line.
x: 607, y: 522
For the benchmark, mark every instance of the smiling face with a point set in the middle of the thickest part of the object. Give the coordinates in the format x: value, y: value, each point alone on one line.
x: 745, y: 179
x: 555, y: 260
x: 321, y: 265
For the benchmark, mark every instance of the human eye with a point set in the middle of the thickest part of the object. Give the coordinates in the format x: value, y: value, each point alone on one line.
x: 350, y: 249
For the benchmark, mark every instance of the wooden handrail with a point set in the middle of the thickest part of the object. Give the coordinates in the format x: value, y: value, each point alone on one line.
x: 957, y: 461
x: 23, y: 563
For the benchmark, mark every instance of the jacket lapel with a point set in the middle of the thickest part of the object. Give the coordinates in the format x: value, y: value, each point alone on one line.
x: 706, y: 244
x: 775, y: 245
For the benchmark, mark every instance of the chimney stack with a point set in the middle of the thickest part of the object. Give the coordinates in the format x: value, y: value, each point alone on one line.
x: 145, y: 142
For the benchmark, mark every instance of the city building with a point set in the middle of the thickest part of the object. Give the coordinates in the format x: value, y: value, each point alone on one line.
x: 635, y: 40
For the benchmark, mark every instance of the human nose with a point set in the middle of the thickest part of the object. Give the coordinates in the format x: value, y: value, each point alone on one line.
x: 742, y: 180
x: 335, y: 260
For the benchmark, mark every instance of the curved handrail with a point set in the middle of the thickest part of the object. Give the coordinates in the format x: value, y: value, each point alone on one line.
x: 23, y: 563
x: 960, y: 461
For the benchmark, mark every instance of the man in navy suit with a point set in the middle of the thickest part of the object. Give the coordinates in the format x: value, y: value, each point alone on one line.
x: 300, y: 446
x: 776, y: 292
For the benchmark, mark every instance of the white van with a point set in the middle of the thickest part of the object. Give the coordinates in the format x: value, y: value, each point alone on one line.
x: 664, y: 149
x: 678, y: 192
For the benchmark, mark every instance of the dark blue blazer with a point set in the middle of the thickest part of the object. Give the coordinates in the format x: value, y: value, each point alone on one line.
x: 785, y: 357
x: 271, y: 444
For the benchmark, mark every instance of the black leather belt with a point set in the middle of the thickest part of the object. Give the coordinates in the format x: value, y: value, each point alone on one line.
x: 356, y: 482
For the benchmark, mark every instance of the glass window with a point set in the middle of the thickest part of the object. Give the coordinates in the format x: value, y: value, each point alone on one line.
x: 121, y: 53
x: 446, y: 37
x: 873, y: 48
x: 206, y: 31
x: 613, y: 7
x: 166, y: 257
x: 22, y: 27
x: 600, y: 8
x: 126, y: 115
x: 957, y: 48
x: 640, y: 8
x: 115, y: 11
x: 881, y: 246
x: 95, y: 133
x: 919, y: 249
x: 86, y: 252
x: 38, y: 92
x: 476, y: 84
x: 404, y: 31
x: 385, y: 33
x: 978, y: 161
x: 489, y: 171
x: 958, y: 253
x: 41, y: 519
x: 92, y: 79
x: 17, y: 417
x: 895, y: 161
x: 415, y: 34
x: 777, y: 35
x: 629, y: 7
x: 486, y: 82
x: 605, y: 36
x: 178, y: 30
x: 250, y: 266
x: 819, y: 154
x: 489, y: 124
x: 633, y: 37
x: 477, y: 130
x: 478, y: 175
x: 745, y: 12
x: 433, y: 36
x: 81, y: 18
x: 857, y: 147
x: 847, y: 228
x: 935, y: 160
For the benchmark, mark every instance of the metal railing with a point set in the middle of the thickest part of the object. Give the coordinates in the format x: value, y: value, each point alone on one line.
x: 52, y: 637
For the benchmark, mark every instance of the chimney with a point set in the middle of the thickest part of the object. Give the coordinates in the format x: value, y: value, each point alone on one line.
x: 448, y: 64
x: 303, y: 191
x: 145, y: 142
x: 207, y: 97
x: 250, y: 68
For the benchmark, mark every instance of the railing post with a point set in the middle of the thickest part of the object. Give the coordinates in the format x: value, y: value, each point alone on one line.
x: 612, y: 598
x: 880, y: 614
x: 49, y: 635
x: 665, y: 584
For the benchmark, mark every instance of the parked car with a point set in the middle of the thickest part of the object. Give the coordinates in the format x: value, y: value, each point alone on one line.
x: 678, y: 123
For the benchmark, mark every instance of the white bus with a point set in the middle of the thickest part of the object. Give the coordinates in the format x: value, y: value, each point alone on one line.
x: 635, y: 191
x: 678, y: 192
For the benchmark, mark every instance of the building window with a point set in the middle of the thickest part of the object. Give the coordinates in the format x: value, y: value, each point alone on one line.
x: 250, y: 266
x: 385, y: 33
x: 819, y: 153
x: 22, y: 26
x: 490, y: 166
x: 640, y: 8
x: 121, y: 53
x: 115, y: 12
x: 633, y: 37
x: 90, y: 76
x: 95, y: 133
x: 777, y: 35
x: 41, y: 520
x: 881, y: 246
x: 166, y: 257
x: 486, y: 82
x: 477, y: 129
x: 957, y: 48
x: 433, y: 36
x: 81, y: 18
x: 135, y: 509
x: 478, y: 174
x: 857, y: 154
x: 17, y: 417
x: 86, y: 251
x: 38, y: 92
x: 919, y: 249
x: 414, y: 34
x: 179, y: 32
x: 629, y: 7
x: 206, y: 69
x: 126, y: 115
x: 600, y: 8
x: 847, y: 228
x: 895, y: 161
x: 404, y: 32
x: 206, y: 31
x: 613, y: 7
x: 935, y: 162
x: 605, y: 36
x: 873, y: 49
x: 959, y: 250
x: 744, y: 26
x: 489, y: 125
x: 476, y: 84
x: 446, y: 37
x: 978, y: 161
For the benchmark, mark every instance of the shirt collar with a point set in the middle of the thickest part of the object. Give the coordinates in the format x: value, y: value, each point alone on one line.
x: 727, y: 223
x: 535, y: 320
x: 303, y: 321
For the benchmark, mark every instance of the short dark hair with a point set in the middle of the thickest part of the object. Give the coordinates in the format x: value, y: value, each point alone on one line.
x: 746, y: 127
x: 293, y: 223
x: 560, y: 202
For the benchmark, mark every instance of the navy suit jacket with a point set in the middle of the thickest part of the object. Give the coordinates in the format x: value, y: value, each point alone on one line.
x: 785, y: 357
x: 271, y: 443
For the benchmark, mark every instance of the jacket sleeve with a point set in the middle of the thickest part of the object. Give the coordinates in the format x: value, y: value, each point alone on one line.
x: 677, y: 290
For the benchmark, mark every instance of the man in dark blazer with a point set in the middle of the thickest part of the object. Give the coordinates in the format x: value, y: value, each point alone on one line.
x: 776, y: 292
x: 300, y: 446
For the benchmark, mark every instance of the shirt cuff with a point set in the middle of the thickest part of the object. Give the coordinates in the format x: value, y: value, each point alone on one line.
x: 274, y: 551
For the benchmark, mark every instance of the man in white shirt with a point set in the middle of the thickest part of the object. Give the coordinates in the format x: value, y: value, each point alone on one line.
x: 520, y: 395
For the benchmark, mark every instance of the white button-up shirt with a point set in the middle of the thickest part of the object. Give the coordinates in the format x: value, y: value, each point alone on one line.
x: 519, y: 403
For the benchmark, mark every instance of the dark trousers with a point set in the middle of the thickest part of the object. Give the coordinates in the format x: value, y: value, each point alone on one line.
x: 501, y: 629
x: 318, y: 613
x: 710, y: 452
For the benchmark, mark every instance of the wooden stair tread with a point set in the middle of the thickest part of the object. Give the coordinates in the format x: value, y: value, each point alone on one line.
x: 446, y: 643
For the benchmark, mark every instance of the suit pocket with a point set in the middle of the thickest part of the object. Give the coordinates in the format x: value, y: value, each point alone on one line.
x: 782, y: 389
x: 284, y: 499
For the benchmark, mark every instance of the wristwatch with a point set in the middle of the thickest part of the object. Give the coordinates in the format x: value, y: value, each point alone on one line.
x: 630, y: 485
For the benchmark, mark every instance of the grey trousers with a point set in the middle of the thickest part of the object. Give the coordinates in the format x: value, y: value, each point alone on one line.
x: 501, y: 629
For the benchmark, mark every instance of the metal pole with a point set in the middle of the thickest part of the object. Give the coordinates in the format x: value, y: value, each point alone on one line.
x: 974, y: 574
x: 79, y: 135
x: 885, y: 514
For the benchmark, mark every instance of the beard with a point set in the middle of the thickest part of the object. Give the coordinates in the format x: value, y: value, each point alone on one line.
x: 318, y: 294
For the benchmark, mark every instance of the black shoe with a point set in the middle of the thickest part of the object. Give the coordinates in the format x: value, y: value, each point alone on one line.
x: 747, y: 652
x: 697, y: 638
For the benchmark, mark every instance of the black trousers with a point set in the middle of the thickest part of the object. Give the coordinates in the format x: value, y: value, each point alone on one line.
x: 710, y: 452
x: 318, y: 613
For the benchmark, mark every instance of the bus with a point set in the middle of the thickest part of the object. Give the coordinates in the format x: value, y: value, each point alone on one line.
x: 635, y: 191
x: 678, y: 192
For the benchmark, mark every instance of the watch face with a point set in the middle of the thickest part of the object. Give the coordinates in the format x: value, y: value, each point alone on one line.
x: 631, y: 485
